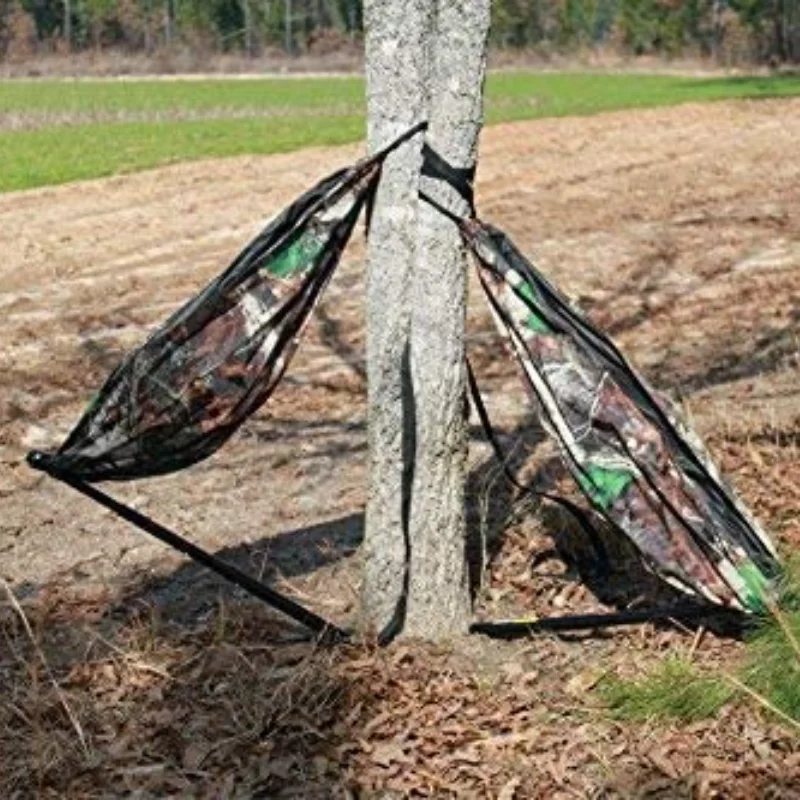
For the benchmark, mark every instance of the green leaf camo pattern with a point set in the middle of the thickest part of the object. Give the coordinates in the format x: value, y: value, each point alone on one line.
x: 180, y: 396
x: 643, y: 470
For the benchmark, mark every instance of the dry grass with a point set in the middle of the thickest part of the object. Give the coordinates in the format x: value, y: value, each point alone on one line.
x: 158, y: 708
x: 234, y: 705
x: 226, y: 701
x: 176, y: 61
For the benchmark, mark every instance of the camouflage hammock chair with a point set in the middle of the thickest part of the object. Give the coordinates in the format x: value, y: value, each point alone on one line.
x: 644, y: 472
x: 179, y: 397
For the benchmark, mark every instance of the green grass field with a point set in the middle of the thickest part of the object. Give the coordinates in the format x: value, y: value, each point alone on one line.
x: 57, y: 131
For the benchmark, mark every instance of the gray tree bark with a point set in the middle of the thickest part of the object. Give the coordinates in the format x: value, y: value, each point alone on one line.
x: 288, y: 36
x: 247, y: 14
x: 425, y: 59
x: 396, y: 71
x: 438, y: 601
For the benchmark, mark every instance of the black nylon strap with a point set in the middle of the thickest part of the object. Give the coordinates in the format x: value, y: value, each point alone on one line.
x: 327, y: 632
x: 461, y: 179
x: 514, y: 629
x: 441, y: 209
x: 579, y: 514
x: 420, y: 127
x: 401, y: 139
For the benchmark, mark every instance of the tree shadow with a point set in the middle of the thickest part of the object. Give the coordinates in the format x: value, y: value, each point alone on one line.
x: 614, y: 573
x: 285, y: 430
x: 192, y: 590
x: 607, y: 563
x: 622, y: 580
x: 751, y: 356
x: 101, y: 356
x: 720, y: 359
x: 183, y: 685
x: 170, y: 680
x: 490, y: 495
x: 493, y: 502
x: 330, y: 332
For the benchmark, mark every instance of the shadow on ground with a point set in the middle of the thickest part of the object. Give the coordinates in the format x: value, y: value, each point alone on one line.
x: 174, y: 683
x: 182, y: 686
x: 193, y: 590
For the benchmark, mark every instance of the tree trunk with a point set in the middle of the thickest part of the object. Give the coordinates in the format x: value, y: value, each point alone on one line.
x: 67, y: 28
x: 167, y: 22
x: 421, y: 56
x: 288, y: 35
x: 396, y: 70
x: 439, y: 602
x: 247, y: 16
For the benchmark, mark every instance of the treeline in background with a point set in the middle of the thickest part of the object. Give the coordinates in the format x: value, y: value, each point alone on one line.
x: 729, y: 32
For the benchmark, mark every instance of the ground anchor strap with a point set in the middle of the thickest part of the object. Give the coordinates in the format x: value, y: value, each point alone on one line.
x: 515, y: 629
x: 329, y: 633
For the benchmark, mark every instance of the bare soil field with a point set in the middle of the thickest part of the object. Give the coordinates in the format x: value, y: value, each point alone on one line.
x: 677, y: 230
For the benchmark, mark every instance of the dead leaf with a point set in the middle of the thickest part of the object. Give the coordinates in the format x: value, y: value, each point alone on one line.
x: 579, y: 684
x: 387, y: 753
x: 509, y: 789
x: 195, y: 754
x: 663, y: 764
x: 376, y: 722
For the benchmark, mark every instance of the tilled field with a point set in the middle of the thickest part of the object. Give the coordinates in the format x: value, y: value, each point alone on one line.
x: 677, y: 230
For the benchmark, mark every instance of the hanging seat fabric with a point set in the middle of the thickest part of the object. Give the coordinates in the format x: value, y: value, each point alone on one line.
x: 176, y: 400
x: 642, y: 469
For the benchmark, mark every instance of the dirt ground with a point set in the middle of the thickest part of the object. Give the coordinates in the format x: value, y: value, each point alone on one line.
x: 677, y: 230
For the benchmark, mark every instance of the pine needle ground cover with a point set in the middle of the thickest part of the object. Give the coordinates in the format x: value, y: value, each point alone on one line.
x: 56, y: 131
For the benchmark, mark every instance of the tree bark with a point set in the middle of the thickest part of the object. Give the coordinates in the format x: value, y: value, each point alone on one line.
x: 439, y: 602
x: 421, y: 56
x: 287, y: 27
x: 396, y: 71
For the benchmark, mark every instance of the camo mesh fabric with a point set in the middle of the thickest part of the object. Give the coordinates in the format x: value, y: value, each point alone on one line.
x: 180, y: 396
x: 642, y: 469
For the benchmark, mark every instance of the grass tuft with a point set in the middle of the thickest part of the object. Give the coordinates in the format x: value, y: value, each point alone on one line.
x: 772, y: 665
x: 673, y: 690
x: 769, y: 675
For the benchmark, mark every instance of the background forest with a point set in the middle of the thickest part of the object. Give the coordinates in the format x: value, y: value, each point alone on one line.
x: 729, y: 32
